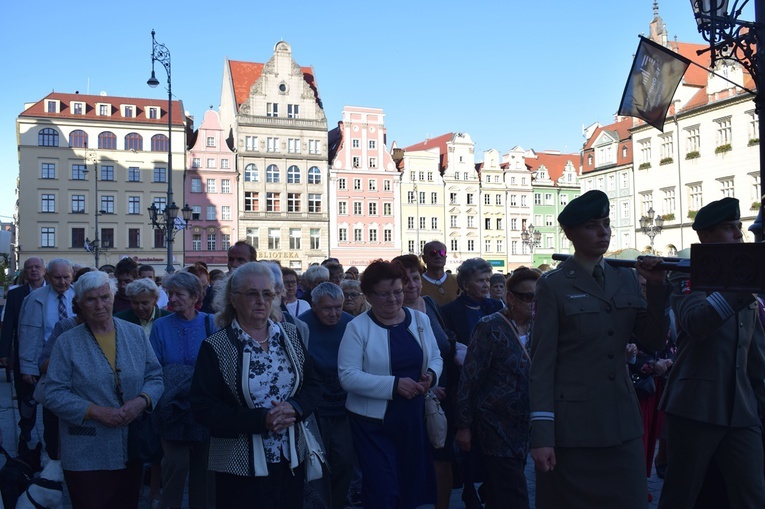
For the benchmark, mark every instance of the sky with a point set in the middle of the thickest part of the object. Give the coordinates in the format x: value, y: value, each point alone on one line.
x: 508, y: 73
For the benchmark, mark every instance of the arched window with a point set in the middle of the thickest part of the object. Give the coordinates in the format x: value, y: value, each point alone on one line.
x: 78, y: 139
x: 293, y: 175
x: 133, y: 141
x: 251, y: 173
x: 107, y: 140
x: 47, y: 137
x: 314, y: 175
x: 272, y: 173
x: 671, y: 250
x: 159, y: 143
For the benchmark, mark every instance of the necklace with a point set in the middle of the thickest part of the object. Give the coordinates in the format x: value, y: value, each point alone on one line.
x: 438, y: 282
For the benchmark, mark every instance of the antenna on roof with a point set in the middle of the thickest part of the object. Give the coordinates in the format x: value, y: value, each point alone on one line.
x: 87, y: 89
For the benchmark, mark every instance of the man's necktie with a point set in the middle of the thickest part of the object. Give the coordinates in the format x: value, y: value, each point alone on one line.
x: 599, y: 276
x: 61, y: 308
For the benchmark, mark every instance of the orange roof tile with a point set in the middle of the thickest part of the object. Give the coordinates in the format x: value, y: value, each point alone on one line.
x: 554, y: 163
x: 245, y: 74
x: 440, y: 142
x: 39, y: 109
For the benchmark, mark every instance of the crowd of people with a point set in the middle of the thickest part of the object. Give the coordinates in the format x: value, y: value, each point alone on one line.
x: 310, y: 389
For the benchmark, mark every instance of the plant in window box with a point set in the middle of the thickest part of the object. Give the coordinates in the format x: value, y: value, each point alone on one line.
x: 694, y: 154
x: 723, y: 149
x: 644, y: 166
x: 692, y: 214
x: 755, y: 205
x: 753, y: 142
x: 668, y: 217
x: 666, y: 160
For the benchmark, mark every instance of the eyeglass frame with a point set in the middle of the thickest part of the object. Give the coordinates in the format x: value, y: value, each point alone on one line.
x: 526, y: 297
x: 397, y: 294
x: 250, y: 295
x: 352, y: 295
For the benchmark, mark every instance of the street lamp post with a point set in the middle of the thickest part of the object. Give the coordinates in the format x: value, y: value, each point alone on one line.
x: 651, y: 224
x: 532, y: 238
x: 160, y: 53
x: 94, y: 245
x: 741, y: 41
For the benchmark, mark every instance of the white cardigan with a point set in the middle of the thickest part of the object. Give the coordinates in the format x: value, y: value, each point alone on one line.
x: 363, y: 362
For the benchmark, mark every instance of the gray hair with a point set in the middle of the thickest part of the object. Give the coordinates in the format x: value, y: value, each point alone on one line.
x: 276, y: 306
x: 92, y: 280
x: 349, y: 285
x: 58, y: 261
x: 315, y: 274
x: 140, y: 286
x: 234, y: 283
x: 184, y: 281
x: 469, y: 269
x: 326, y: 289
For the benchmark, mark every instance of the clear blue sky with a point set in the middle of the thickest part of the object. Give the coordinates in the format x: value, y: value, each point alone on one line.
x: 508, y: 72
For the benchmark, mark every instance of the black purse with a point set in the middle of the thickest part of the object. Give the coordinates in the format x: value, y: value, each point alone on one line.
x: 644, y: 384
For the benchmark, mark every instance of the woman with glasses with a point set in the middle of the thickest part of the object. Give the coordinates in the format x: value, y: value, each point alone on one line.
x: 176, y: 340
x: 252, y: 383
x: 355, y: 303
x: 294, y: 306
x: 493, y: 394
x: 460, y: 316
x: 388, y: 360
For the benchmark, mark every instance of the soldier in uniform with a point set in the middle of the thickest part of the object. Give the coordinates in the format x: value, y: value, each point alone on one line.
x: 711, y: 398
x: 586, y: 437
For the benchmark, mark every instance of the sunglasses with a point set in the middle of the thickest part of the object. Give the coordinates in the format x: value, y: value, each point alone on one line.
x: 524, y: 296
x: 435, y: 252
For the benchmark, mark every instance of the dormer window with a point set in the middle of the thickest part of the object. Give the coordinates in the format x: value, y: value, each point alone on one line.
x: 51, y: 106
x: 78, y: 108
x: 128, y: 111
x: 152, y: 112
x: 104, y: 109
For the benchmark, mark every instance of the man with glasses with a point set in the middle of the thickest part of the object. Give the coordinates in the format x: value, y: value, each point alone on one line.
x: 291, y: 303
x: 436, y: 283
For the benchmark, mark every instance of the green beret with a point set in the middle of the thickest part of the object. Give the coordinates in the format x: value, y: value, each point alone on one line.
x: 591, y: 205
x: 716, y: 212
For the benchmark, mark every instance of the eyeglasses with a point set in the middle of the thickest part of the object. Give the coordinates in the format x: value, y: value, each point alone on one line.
x: 434, y: 252
x: 352, y: 295
x: 254, y: 295
x: 524, y: 296
x: 288, y: 282
x: 396, y: 294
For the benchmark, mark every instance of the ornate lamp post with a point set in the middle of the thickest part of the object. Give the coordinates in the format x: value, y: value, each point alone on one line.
x: 532, y: 238
x: 94, y: 245
x: 651, y: 224
x: 165, y: 220
x: 741, y: 41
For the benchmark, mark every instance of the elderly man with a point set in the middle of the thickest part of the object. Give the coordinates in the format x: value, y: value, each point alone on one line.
x: 143, y: 295
x: 711, y: 398
x: 147, y: 272
x: 239, y: 254
x: 312, y: 277
x: 436, y: 283
x: 327, y: 320
x: 34, y: 273
x: 40, y: 312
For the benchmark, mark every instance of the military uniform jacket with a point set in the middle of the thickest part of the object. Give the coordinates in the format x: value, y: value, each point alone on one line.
x: 717, y: 376
x: 581, y: 393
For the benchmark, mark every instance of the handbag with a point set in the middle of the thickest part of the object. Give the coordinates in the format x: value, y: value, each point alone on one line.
x: 435, y: 418
x: 644, y: 384
x: 314, y: 456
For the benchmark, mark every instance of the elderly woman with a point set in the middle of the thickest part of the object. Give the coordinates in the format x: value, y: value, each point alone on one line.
x: 497, y: 287
x: 355, y: 303
x: 460, y: 316
x: 102, y: 375
x: 143, y: 295
x: 388, y: 360
x: 442, y: 458
x: 252, y: 383
x: 176, y: 340
x: 493, y: 394
x: 314, y: 275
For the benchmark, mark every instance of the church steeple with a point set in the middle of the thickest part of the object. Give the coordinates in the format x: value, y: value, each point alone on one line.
x: 657, y: 30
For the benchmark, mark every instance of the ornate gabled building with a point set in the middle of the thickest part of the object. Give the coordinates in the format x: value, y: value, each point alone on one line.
x: 72, y: 144
x: 555, y: 182
x: 210, y: 188
x: 274, y: 118
x: 492, y: 207
x: 519, y: 200
x: 607, y: 166
x: 363, y: 190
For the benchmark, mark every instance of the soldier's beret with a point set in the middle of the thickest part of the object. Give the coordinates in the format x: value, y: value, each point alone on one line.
x: 716, y: 212
x: 591, y: 205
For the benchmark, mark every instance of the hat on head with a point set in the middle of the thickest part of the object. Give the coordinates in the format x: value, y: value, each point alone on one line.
x: 591, y: 205
x: 716, y: 212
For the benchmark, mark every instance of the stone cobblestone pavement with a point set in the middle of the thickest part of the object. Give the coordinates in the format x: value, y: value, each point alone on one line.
x: 9, y: 418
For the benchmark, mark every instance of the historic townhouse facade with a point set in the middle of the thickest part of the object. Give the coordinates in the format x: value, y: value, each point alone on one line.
x: 607, y: 166
x: 423, y: 209
x: 493, y: 211
x: 555, y: 182
x: 363, y: 190
x: 71, y: 144
x: 210, y: 187
x: 275, y: 119
x: 519, y: 201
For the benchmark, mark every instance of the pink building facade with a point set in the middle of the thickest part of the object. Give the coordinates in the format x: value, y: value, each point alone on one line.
x: 363, y: 190
x: 210, y: 188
